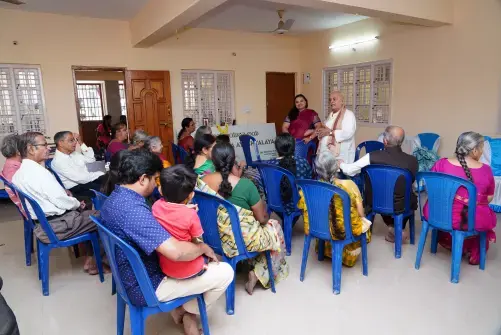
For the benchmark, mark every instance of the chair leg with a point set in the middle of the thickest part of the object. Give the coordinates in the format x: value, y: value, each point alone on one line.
x: 39, y: 263
x: 457, y: 255
x: 76, y: 250
x: 483, y: 249
x: 230, y: 293
x: 371, y: 217
x: 120, y: 315
x: 288, y: 233
x: 270, y: 271
x: 136, y: 321
x: 321, y: 250
x: 398, y: 235
x: 203, y: 314
x: 412, y: 228
x: 337, y: 266
x: 113, y: 286
x: 28, y: 242
x: 97, y: 255
x: 306, y: 250
x: 434, y: 240
x: 365, y: 263
x: 422, y: 242
x: 44, y: 267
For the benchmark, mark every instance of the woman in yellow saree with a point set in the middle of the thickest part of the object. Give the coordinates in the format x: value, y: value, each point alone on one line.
x: 326, y: 168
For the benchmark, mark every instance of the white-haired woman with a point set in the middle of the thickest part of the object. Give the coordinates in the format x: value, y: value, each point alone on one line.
x: 467, y: 165
x: 154, y: 144
x: 326, y: 167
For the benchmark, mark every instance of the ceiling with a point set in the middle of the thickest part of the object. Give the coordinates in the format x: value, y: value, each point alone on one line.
x: 261, y: 16
x: 106, y: 9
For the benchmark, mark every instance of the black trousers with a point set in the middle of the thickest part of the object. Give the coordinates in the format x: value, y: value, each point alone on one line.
x: 388, y: 220
x: 83, y: 191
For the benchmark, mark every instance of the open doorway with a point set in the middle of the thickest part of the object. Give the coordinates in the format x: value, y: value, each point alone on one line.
x: 98, y: 92
x: 280, y: 92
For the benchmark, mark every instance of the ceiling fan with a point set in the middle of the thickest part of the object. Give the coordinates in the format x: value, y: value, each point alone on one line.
x: 14, y: 2
x: 283, y: 27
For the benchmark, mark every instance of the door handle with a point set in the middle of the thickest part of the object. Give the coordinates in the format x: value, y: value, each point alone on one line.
x: 164, y: 123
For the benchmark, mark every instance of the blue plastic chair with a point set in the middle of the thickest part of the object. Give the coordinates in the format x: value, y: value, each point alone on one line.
x: 383, y: 179
x: 207, y: 211
x: 369, y: 146
x: 179, y: 154
x: 138, y: 314
x: 43, y: 250
x: 98, y: 200
x: 245, y: 142
x: 48, y: 165
x: 428, y: 140
x: 318, y: 196
x: 28, y: 229
x: 305, y: 150
x: 272, y: 175
x: 442, y: 190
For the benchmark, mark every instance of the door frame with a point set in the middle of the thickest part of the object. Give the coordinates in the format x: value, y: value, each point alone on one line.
x: 91, y: 68
x: 280, y: 72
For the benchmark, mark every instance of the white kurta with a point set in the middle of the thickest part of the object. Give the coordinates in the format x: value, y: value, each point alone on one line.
x: 345, y: 136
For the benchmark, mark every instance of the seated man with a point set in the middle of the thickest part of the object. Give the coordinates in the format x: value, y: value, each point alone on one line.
x: 127, y: 215
x: 64, y: 213
x: 392, y: 155
x: 70, y: 164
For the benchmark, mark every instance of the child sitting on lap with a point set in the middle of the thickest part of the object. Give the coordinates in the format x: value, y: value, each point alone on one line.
x: 177, y: 185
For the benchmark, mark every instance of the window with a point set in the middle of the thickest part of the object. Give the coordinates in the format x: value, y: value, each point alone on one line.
x: 366, y: 88
x: 123, y: 102
x: 208, y: 95
x: 90, y: 100
x: 22, y: 106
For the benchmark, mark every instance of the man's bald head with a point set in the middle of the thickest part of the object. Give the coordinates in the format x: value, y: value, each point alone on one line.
x: 336, y: 101
x: 394, y: 136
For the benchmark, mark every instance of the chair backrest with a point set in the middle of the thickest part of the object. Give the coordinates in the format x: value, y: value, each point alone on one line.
x: 208, y: 205
x: 441, y: 189
x: 428, y: 140
x: 318, y: 195
x: 245, y: 142
x: 303, y: 149
x: 369, y: 146
x: 272, y: 175
x: 383, y: 179
x: 27, y: 200
x: 98, y: 200
x: 113, y: 243
x: 179, y: 154
x: 48, y: 165
x: 9, y: 185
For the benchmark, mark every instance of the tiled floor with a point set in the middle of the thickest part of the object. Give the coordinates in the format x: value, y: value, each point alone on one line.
x: 393, y: 299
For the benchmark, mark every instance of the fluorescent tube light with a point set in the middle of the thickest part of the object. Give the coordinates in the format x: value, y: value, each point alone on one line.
x: 351, y: 44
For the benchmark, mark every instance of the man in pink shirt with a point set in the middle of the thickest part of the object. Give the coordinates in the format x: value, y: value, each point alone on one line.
x: 11, y: 152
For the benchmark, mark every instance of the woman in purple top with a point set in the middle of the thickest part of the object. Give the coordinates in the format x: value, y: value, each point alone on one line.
x: 119, y: 142
x: 466, y: 165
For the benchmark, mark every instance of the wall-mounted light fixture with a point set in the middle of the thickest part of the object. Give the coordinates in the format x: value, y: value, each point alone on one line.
x: 352, y: 44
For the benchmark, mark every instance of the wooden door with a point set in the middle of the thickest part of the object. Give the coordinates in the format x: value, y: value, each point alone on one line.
x: 149, y: 105
x: 280, y: 92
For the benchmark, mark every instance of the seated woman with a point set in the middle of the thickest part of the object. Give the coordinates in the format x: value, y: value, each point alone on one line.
x: 154, y: 144
x: 119, y: 135
x: 469, y: 149
x: 184, y: 138
x: 111, y: 179
x: 327, y: 166
x: 139, y: 139
x: 200, y: 161
x: 259, y: 232
x: 203, y: 130
x: 301, y: 122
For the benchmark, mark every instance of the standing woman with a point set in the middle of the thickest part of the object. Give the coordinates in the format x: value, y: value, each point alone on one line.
x: 184, y: 138
x: 301, y: 122
x: 104, y: 133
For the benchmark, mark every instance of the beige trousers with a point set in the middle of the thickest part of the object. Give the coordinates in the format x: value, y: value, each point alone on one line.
x: 212, y: 284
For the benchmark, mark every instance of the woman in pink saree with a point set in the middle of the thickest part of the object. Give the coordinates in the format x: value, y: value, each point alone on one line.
x: 466, y: 165
x: 301, y: 122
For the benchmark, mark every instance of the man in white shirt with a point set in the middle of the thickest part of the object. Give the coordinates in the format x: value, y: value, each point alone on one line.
x: 338, y: 132
x: 70, y: 163
x: 64, y: 213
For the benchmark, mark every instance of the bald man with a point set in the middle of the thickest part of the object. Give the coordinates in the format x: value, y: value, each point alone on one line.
x: 392, y: 155
x: 338, y: 133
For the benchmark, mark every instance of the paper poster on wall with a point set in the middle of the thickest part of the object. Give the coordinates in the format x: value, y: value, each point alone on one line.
x: 264, y: 134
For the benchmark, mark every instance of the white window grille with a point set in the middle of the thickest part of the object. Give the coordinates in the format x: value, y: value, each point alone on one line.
x: 366, y: 88
x: 208, y: 95
x: 123, y: 101
x: 22, y: 106
x: 90, y: 100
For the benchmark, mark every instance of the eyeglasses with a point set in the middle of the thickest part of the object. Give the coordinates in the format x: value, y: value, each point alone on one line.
x: 41, y: 145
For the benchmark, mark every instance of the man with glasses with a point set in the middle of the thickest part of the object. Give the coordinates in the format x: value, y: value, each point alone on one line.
x: 65, y: 214
x: 70, y: 163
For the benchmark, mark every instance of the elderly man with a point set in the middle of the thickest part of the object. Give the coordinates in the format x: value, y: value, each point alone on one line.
x: 392, y: 155
x: 64, y: 213
x: 127, y: 215
x: 338, y: 132
x: 70, y: 163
